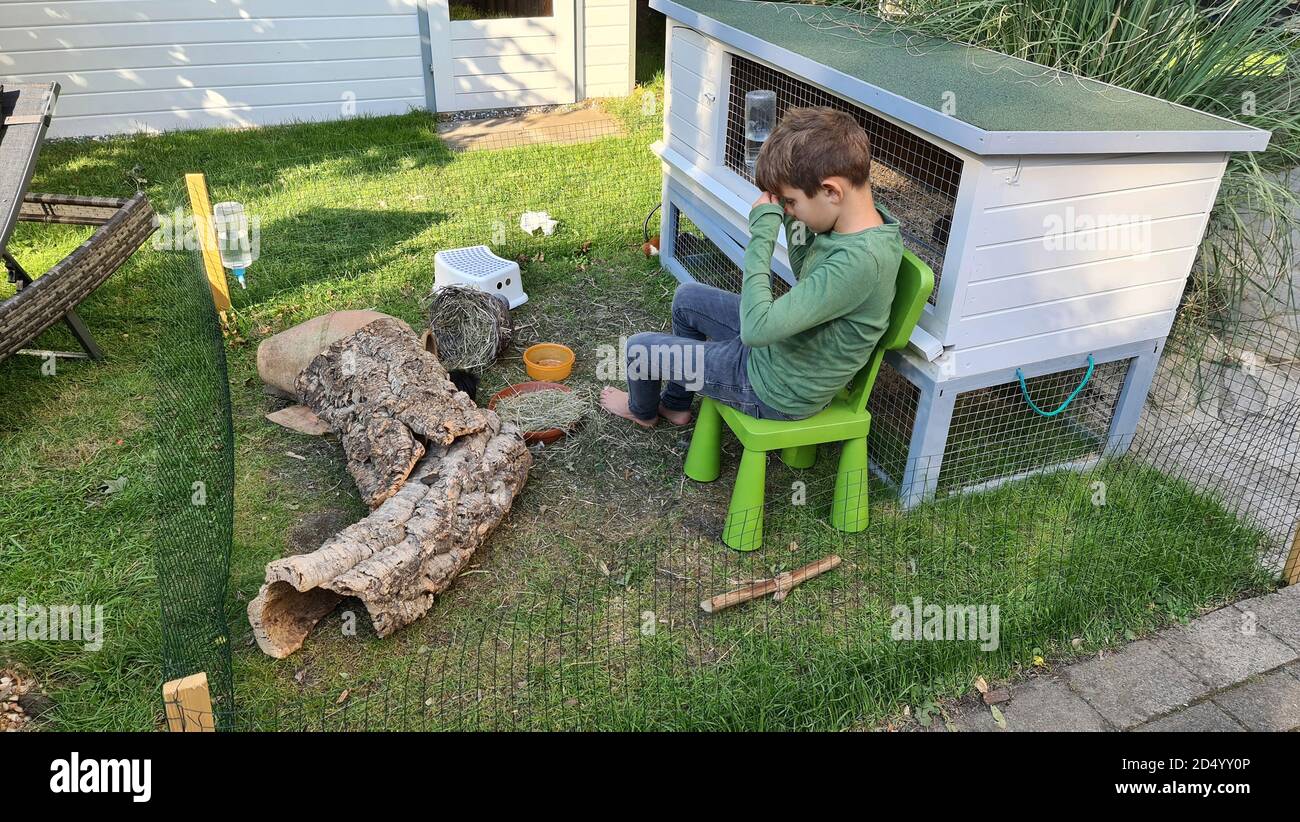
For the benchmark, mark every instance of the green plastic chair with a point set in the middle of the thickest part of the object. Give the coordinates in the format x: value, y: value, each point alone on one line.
x: 845, y: 420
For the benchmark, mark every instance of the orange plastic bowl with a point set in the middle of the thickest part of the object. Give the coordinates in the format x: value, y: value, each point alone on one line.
x: 550, y: 434
x: 548, y: 361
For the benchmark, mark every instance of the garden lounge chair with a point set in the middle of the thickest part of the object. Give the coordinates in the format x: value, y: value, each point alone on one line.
x: 123, y: 226
x: 845, y: 420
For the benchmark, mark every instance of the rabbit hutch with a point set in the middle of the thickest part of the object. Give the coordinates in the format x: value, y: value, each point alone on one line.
x: 1061, y: 217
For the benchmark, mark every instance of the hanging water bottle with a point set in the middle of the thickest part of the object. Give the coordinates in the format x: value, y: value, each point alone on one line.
x: 760, y: 119
x: 233, y: 241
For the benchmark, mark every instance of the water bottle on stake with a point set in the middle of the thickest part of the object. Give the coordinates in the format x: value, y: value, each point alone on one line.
x: 233, y: 238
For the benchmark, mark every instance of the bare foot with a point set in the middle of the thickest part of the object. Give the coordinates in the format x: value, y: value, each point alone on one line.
x: 615, y: 402
x: 675, y: 417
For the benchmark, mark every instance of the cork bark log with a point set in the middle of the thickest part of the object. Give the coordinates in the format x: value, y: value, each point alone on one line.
x: 438, y: 472
x: 407, y: 551
x: 282, y: 357
x: 385, y: 396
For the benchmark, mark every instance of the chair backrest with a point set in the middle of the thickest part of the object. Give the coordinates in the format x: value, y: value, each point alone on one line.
x: 912, y: 289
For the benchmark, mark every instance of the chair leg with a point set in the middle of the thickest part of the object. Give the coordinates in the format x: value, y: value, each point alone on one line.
x: 800, y: 456
x: 705, y: 454
x: 744, y: 528
x: 79, y: 330
x: 849, y: 507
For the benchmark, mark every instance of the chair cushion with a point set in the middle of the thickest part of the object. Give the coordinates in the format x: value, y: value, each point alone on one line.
x: 837, y: 422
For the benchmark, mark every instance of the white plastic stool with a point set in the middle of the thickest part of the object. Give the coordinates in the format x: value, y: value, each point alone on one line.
x: 477, y: 267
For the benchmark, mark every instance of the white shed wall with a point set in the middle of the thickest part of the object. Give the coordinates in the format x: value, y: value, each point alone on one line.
x: 152, y: 65
x: 128, y: 66
x: 609, y: 31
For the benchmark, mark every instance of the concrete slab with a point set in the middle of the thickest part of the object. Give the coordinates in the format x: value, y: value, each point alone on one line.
x: 1270, y: 703
x: 1200, y: 718
x: 1035, y: 706
x: 1221, y: 649
x: 1134, y: 684
x: 1278, y: 613
x: 556, y: 128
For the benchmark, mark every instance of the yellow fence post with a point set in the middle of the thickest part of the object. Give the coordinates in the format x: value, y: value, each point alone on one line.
x: 188, y: 704
x: 207, y: 234
x: 1291, y: 571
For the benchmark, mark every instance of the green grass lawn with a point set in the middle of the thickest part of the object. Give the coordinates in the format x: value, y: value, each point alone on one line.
x: 549, y: 626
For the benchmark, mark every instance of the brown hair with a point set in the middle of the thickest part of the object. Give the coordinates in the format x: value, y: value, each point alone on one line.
x: 810, y: 144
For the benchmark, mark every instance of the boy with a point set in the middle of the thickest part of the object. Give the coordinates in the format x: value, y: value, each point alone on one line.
x: 781, y: 359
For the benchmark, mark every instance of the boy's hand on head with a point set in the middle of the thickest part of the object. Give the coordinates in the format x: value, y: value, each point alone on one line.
x: 765, y: 198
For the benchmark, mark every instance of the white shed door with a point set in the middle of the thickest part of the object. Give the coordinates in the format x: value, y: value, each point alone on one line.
x: 486, y: 54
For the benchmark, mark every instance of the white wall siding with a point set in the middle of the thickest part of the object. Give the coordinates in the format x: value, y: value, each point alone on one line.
x: 503, y: 62
x: 154, y: 65
x: 520, y: 61
x: 694, y: 66
x: 1063, y: 252
x: 608, y: 34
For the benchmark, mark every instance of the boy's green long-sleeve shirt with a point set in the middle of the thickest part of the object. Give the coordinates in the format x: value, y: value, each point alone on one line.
x: 808, y: 344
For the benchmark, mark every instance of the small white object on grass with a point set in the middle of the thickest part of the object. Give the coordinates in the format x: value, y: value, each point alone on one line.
x: 530, y: 221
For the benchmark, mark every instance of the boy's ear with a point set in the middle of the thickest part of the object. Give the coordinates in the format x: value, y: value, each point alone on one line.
x: 833, y: 190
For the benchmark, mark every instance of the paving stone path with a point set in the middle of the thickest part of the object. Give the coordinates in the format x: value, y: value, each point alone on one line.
x: 1235, y: 669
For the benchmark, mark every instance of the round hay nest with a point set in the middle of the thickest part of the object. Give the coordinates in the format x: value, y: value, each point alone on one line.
x: 470, y: 328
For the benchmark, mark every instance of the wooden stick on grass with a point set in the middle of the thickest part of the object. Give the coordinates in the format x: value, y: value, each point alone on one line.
x: 779, y: 585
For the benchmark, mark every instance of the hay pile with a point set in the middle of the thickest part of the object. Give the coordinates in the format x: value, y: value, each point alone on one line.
x: 543, y: 410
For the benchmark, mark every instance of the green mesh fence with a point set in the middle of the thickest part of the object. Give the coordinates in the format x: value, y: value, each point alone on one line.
x: 584, y: 609
x: 195, y: 477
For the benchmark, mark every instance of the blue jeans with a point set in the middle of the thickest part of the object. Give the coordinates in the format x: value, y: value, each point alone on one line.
x: 703, y: 354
